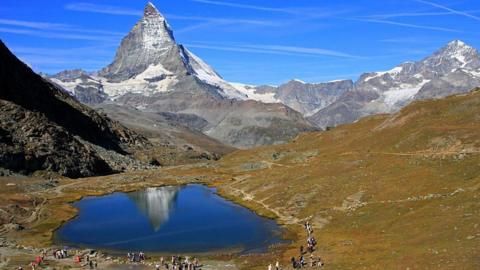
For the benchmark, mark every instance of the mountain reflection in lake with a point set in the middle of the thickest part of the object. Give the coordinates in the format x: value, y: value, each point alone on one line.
x: 189, y: 219
x: 155, y: 203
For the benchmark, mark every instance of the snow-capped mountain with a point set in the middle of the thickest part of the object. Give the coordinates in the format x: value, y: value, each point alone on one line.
x: 453, y: 69
x: 152, y: 72
x: 148, y: 61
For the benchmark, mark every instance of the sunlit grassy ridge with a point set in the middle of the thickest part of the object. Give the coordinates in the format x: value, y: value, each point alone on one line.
x: 387, y: 192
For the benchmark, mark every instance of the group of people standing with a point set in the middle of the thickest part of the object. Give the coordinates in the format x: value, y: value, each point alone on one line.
x: 133, y: 257
x: 60, y: 253
x: 179, y: 263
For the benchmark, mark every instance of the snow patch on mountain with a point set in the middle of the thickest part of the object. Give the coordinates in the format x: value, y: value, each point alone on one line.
x: 398, y: 96
x: 207, y: 74
x: 393, y: 72
x: 156, y: 78
x: 251, y: 93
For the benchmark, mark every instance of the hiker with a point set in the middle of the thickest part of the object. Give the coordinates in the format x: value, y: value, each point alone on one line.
x: 302, y: 261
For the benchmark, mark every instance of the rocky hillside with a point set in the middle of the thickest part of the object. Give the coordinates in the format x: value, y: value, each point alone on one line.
x: 396, y: 191
x: 44, y: 128
x: 176, y: 138
x: 153, y: 73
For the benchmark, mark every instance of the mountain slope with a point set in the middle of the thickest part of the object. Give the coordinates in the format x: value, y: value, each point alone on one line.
x: 387, y: 192
x: 152, y: 72
x: 176, y: 138
x: 453, y: 69
x: 43, y: 128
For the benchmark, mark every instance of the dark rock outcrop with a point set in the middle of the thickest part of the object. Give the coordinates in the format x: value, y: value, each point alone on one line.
x: 44, y: 128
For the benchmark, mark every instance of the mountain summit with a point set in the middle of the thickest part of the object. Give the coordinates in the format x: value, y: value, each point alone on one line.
x: 148, y: 44
x: 151, y: 10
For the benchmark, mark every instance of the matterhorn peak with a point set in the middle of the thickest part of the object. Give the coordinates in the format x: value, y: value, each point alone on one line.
x: 151, y: 11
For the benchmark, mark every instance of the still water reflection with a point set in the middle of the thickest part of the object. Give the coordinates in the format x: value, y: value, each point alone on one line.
x: 156, y: 203
x: 192, y: 218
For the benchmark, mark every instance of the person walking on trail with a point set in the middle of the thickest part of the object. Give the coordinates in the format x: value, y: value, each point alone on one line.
x: 294, y: 262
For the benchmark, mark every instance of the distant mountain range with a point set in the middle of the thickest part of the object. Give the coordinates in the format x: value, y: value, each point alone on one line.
x: 453, y: 69
x: 153, y: 73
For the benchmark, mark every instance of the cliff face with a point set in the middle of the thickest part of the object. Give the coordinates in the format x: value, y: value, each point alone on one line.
x: 44, y: 128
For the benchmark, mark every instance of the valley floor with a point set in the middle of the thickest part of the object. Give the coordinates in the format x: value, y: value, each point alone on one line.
x: 388, y: 192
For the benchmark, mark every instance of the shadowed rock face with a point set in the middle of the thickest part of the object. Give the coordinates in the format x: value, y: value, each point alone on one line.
x: 156, y: 203
x: 453, y: 69
x: 44, y: 128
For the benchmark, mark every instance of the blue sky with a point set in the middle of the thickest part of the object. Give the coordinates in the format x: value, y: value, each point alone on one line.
x: 249, y: 41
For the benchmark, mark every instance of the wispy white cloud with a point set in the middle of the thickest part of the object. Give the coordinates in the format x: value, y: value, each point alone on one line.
x: 411, y: 40
x: 454, y: 11
x: 274, y: 49
x: 196, y: 27
x: 406, y: 14
x: 225, y: 20
x: 408, y: 25
x: 302, y: 50
x: 306, y: 13
x: 105, y: 9
x: 245, y: 6
x: 47, y: 26
x: 118, y: 10
x: 206, y: 22
x: 413, y: 14
x: 35, y: 25
x: 53, y: 35
x: 54, y: 59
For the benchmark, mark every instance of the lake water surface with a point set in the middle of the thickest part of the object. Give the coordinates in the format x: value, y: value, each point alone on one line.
x: 168, y: 219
